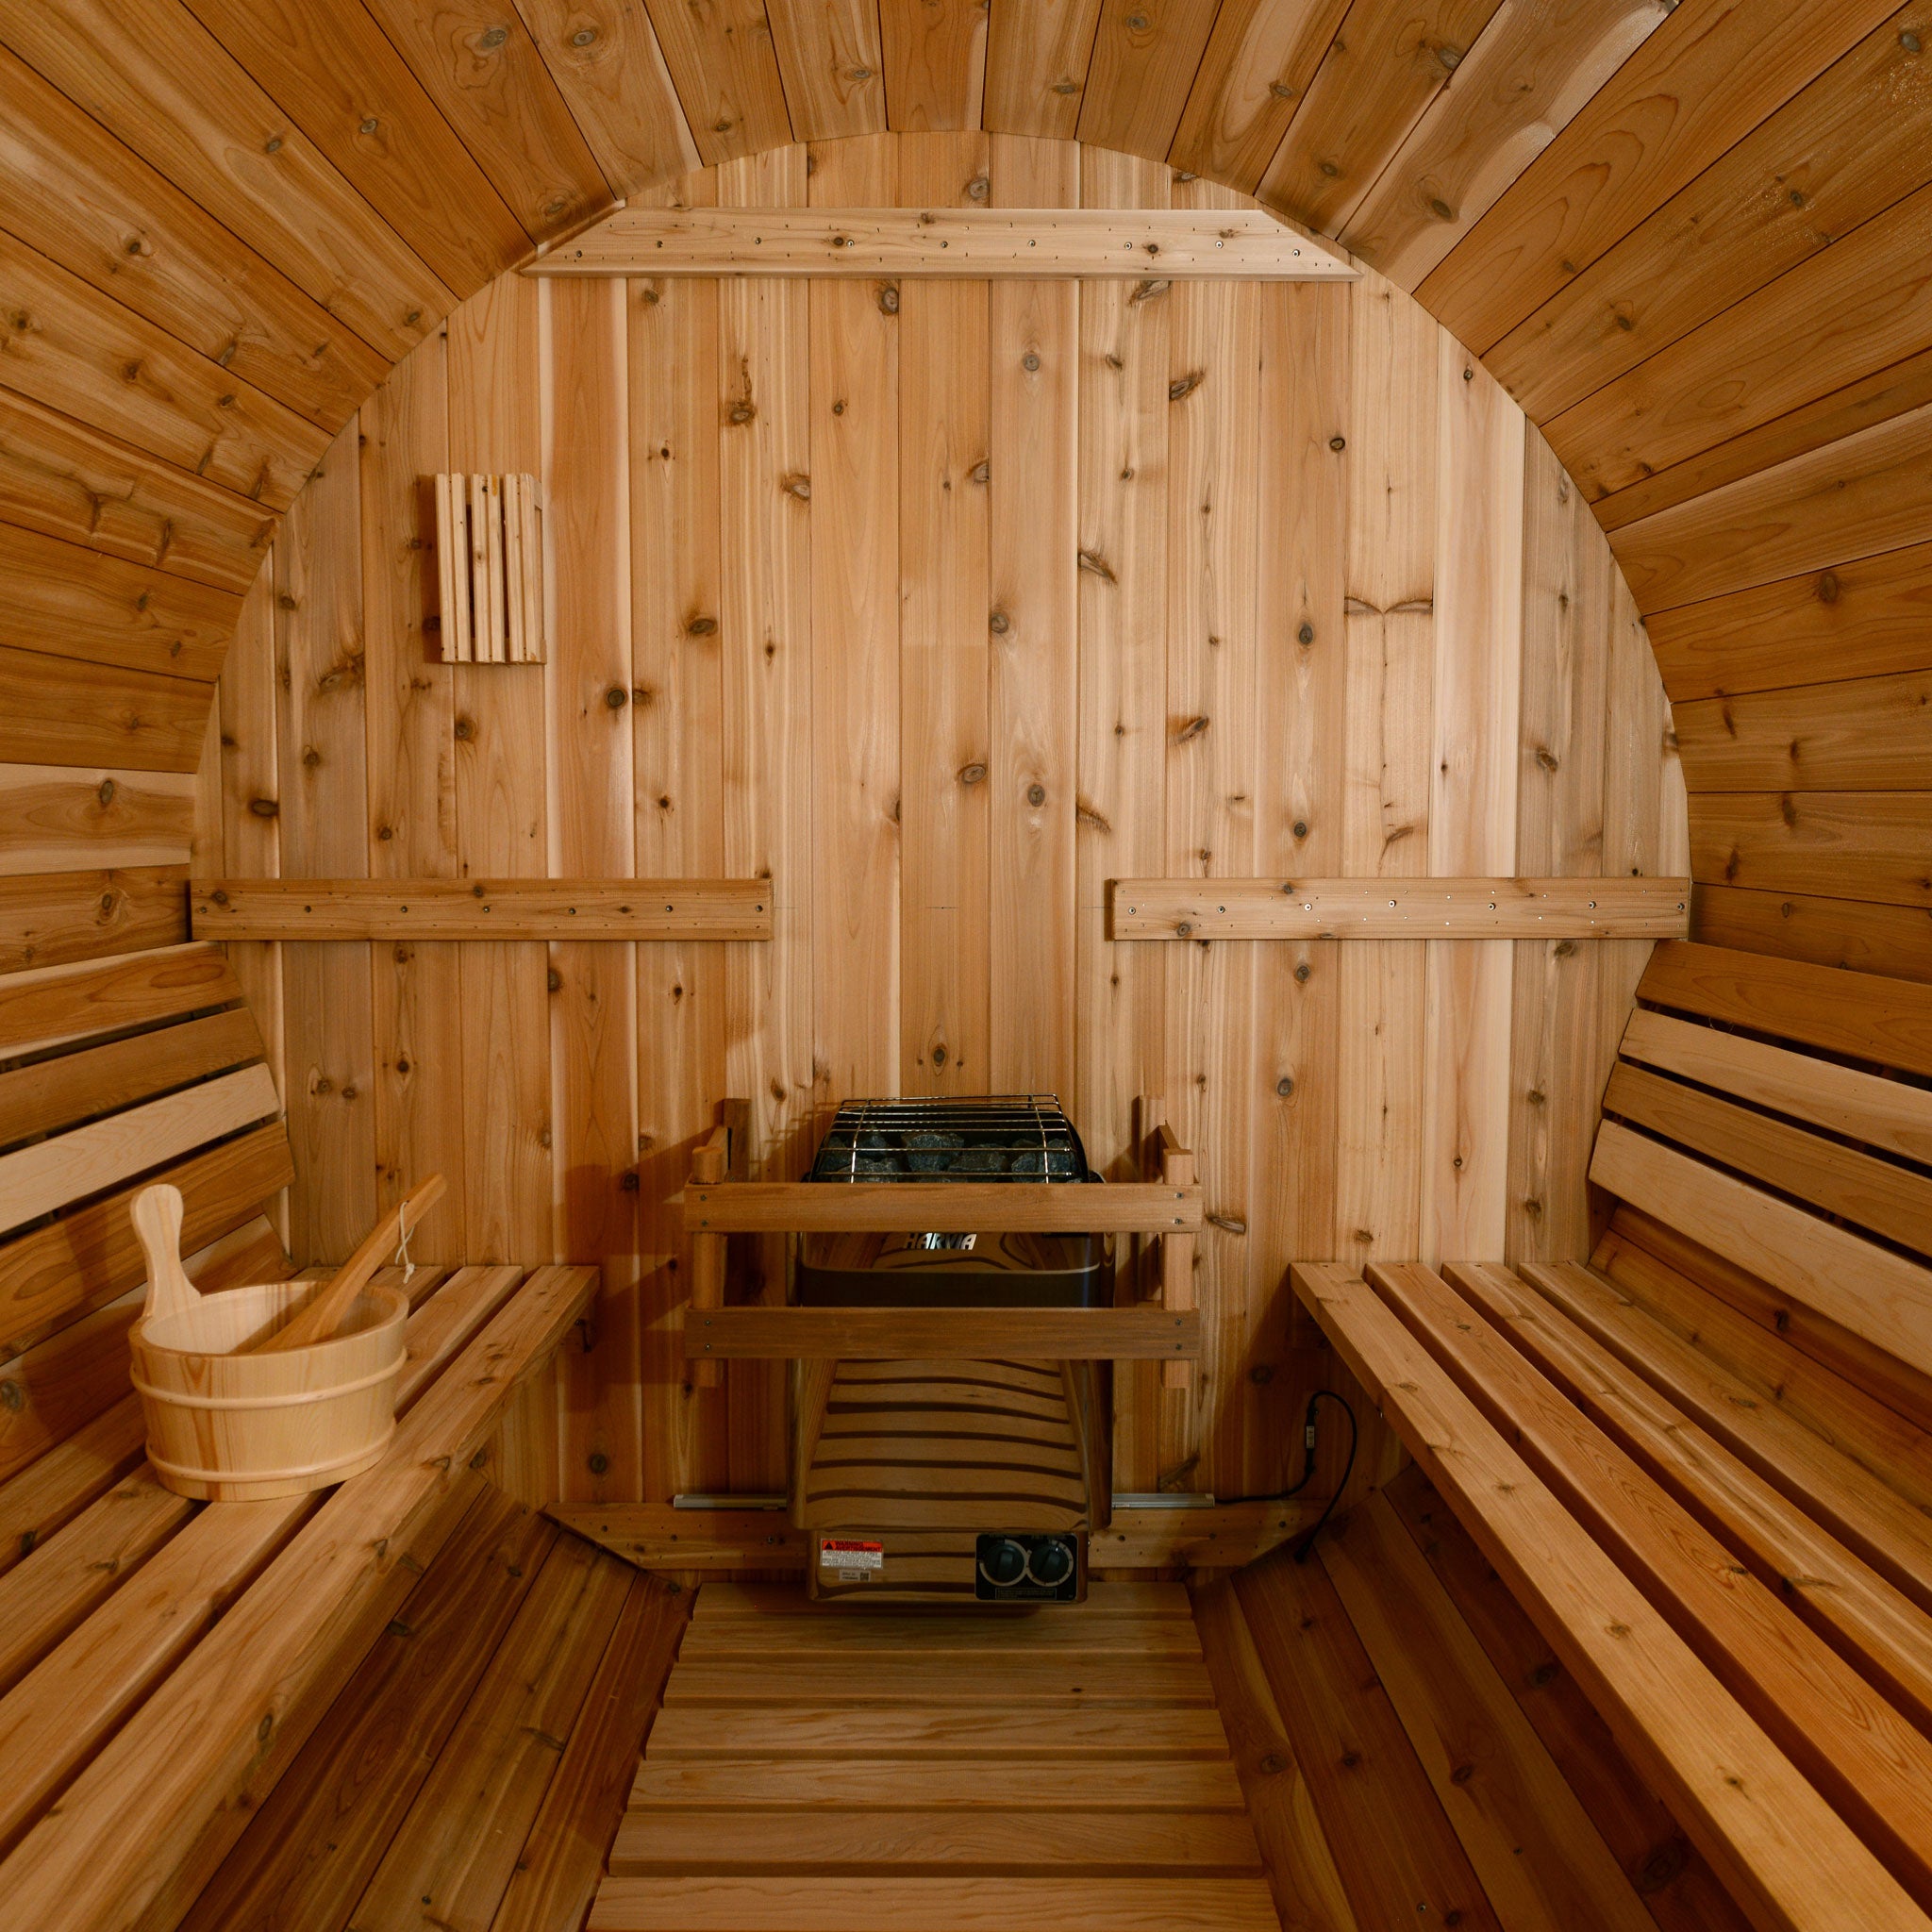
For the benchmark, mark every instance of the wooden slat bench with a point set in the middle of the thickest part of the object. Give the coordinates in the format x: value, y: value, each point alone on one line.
x: 162, y: 1661
x: 1710, y: 1446
x: 158, y: 1748
x: 1652, y: 1618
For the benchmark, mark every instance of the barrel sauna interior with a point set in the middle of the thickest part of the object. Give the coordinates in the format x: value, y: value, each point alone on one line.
x: 1340, y: 589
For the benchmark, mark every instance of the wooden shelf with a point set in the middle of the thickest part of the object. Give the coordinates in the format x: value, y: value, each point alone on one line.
x: 1441, y: 909
x: 1111, y: 243
x: 483, y: 910
x: 1142, y: 1334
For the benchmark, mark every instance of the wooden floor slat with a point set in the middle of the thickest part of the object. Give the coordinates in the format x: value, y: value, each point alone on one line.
x: 816, y: 1766
x: 767, y: 1784
x: 932, y: 1905
x: 787, y: 1599
x: 970, y: 1633
x: 915, y: 1681
x: 690, y: 1731
x: 1015, y: 1843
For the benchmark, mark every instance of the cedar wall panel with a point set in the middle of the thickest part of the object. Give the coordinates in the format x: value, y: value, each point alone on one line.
x: 943, y: 615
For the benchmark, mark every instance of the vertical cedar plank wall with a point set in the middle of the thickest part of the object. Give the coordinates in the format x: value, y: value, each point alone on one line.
x: 941, y: 617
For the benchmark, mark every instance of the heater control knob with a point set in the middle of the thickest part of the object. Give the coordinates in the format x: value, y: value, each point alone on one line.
x: 1004, y: 1564
x: 1052, y: 1562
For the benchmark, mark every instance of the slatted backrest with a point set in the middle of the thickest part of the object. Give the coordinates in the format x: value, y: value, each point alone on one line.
x: 114, y: 1072
x: 1780, y: 1115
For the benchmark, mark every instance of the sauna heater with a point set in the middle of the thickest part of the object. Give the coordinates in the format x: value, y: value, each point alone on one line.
x: 1023, y: 1140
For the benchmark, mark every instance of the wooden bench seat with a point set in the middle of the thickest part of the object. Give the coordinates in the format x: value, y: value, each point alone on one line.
x: 158, y: 1746
x: 1712, y: 1446
x: 1713, y: 1688
x: 161, y: 1661
x: 1828, y: 1482
x: 1881, y: 1632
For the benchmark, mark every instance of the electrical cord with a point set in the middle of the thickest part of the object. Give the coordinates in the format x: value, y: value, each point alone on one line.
x: 1354, y: 1437
x: 1308, y: 1543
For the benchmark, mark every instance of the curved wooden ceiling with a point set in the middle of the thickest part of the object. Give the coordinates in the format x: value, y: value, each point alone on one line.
x: 1690, y: 237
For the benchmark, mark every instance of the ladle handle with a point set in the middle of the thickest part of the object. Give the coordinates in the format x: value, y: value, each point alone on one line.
x: 323, y: 1314
x: 156, y: 1213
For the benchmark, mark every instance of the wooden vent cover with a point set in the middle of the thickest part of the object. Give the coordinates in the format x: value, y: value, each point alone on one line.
x: 489, y: 552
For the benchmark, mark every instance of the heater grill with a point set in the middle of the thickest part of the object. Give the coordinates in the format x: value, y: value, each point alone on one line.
x: 1009, y: 1137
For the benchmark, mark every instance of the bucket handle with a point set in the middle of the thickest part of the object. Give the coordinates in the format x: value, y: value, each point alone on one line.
x: 157, y: 1220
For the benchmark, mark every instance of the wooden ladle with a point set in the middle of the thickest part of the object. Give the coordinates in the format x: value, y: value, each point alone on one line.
x: 322, y: 1315
x: 157, y: 1214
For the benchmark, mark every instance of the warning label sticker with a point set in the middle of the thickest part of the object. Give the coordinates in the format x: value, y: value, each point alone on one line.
x: 850, y: 1556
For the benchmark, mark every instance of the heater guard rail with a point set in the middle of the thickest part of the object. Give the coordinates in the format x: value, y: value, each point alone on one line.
x: 1167, y: 1208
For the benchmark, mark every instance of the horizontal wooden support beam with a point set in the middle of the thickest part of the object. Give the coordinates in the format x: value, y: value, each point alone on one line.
x: 891, y: 1335
x: 1159, y: 245
x: 1464, y: 908
x: 949, y: 1208
x: 482, y: 909
x: 656, y: 1537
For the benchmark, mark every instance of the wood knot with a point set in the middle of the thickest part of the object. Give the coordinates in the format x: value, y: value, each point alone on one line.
x: 1190, y: 729
x: 1185, y: 386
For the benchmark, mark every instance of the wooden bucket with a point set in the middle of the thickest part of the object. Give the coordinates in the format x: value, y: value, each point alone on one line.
x: 228, y: 1427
